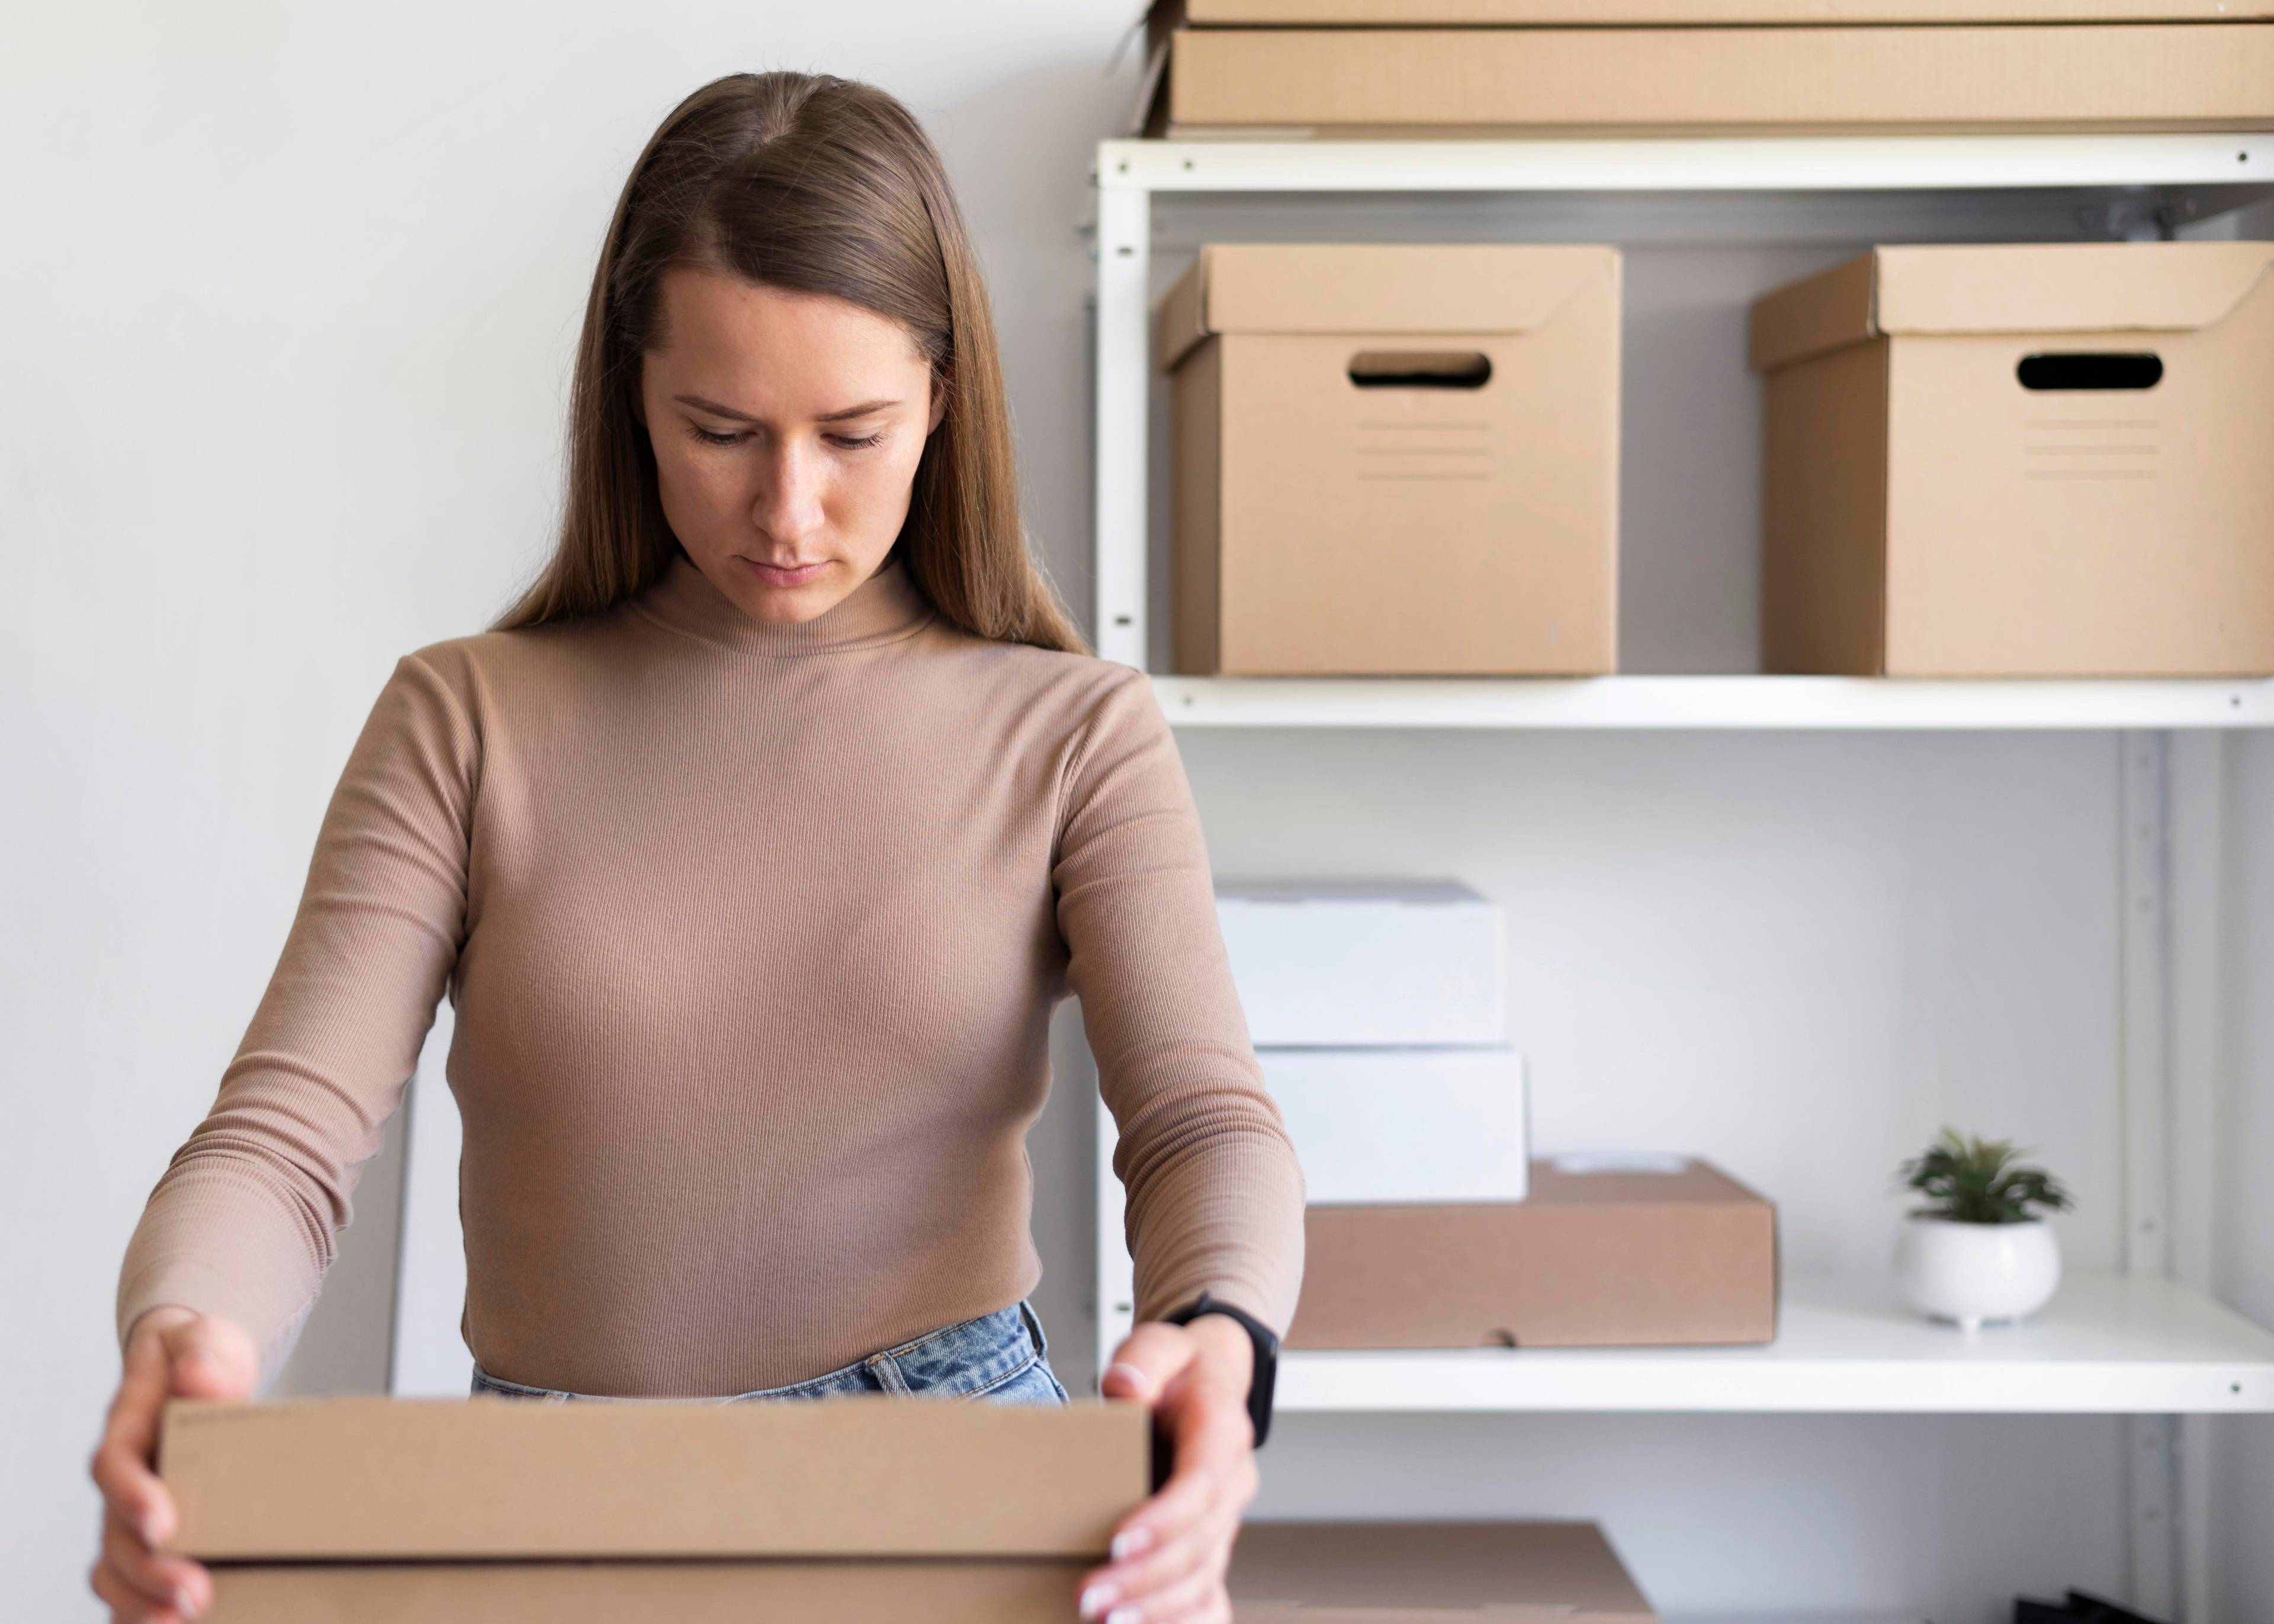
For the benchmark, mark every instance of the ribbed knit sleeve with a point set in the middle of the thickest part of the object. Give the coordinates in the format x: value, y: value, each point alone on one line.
x: 1215, y: 1195
x: 244, y: 1220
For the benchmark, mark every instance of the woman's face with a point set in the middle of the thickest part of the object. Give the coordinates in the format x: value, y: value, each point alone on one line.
x: 787, y: 429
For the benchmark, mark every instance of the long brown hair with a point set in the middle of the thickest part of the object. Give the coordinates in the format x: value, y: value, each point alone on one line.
x: 815, y: 184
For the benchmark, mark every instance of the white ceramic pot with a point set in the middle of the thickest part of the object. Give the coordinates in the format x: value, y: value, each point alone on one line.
x: 1971, y: 1273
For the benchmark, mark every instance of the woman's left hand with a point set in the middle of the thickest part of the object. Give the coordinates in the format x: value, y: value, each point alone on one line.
x: 1170, y: 1555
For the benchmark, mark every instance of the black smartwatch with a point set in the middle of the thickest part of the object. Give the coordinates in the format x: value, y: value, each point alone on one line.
x: 1266, y: 1355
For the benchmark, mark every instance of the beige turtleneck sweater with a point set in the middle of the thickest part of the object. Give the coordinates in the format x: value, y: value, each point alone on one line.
x: 753, y: 933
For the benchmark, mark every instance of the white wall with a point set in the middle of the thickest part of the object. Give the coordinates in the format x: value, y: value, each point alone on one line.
x: 289, y: 298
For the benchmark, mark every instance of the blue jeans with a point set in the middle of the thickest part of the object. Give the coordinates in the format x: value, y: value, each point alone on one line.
x: 1000, y: 1356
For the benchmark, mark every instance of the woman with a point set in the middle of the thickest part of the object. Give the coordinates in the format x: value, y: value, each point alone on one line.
x: 754, y: 848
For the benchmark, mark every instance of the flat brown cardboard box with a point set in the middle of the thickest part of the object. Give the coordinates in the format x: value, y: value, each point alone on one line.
x: 1729, y: 80
x: 1323, y: 528
x: 1431, y: 1573
x: 1926, y: 514
x: 369, y: 1509
x: 1610, y: 1258
x: 1666, y: 13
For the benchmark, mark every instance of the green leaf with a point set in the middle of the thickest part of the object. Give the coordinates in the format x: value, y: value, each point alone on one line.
x: 1972, y: 1180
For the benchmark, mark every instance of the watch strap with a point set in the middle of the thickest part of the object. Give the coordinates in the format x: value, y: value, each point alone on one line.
x: 1266, y: 1342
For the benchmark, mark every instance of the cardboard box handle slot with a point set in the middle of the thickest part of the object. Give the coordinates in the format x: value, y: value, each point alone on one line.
x: 1420, y: 369
x: 2082, y: 370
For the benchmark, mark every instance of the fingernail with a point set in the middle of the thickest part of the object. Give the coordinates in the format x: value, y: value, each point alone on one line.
x: 1097, y: 1599
x: 183, y: 1605
x: 1131, y: 1542
x: 1144, y: 1382
x: 1124, y: 1615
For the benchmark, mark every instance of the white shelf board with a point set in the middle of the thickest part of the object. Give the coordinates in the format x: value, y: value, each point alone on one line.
x: 1704, y: 164
x: 1727, y: 703
x: 2107, y: 1344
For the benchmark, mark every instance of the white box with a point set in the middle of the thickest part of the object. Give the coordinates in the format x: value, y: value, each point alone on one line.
x: 1364, y: 962
x: 1400, y: 1125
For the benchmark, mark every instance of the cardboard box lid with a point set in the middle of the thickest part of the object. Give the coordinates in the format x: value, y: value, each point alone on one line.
x: 1431, y: 1573
x: 2031, y: 288
x: 1549, y: 14
x: 1371, y: 288
x: 307, y: 1478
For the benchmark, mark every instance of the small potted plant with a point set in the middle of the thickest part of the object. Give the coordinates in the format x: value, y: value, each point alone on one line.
x: 1980, y: 1250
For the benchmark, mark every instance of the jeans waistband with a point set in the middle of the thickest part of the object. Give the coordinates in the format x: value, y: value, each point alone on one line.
x: 968, y: 1358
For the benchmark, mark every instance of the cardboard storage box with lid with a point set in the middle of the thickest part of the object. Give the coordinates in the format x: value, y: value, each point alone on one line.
x: 2046, y: 460
x: 490, y: 1510
x: 1615, y: 1253
x: 1486, y: 67
x: 1431, y: 1573
x: 1395, y: 459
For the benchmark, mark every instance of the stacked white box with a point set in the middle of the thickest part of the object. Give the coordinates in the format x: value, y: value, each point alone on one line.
x: 1402, y: 1125
x: 1326, y: 962
x: 1376, y: 1010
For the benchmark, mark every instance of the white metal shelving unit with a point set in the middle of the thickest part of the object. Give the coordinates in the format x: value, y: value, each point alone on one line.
x: 2144, y: 1343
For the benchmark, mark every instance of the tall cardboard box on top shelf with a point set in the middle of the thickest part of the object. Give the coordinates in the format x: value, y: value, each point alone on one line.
x: 2042, y: 461
x: 1395, y: 459
x: 492, y: 1510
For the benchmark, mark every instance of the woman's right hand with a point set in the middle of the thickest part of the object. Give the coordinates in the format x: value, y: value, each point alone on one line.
x: 172, y: 1353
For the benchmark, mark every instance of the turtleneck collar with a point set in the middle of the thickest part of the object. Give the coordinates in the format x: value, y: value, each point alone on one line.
x: 884, y: 608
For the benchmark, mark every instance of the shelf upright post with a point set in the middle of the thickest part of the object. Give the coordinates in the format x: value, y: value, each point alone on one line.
x: 1124, y: 215
x: 2151, y: 1455
x: 1121, y: 461
x: 2196, y: 773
